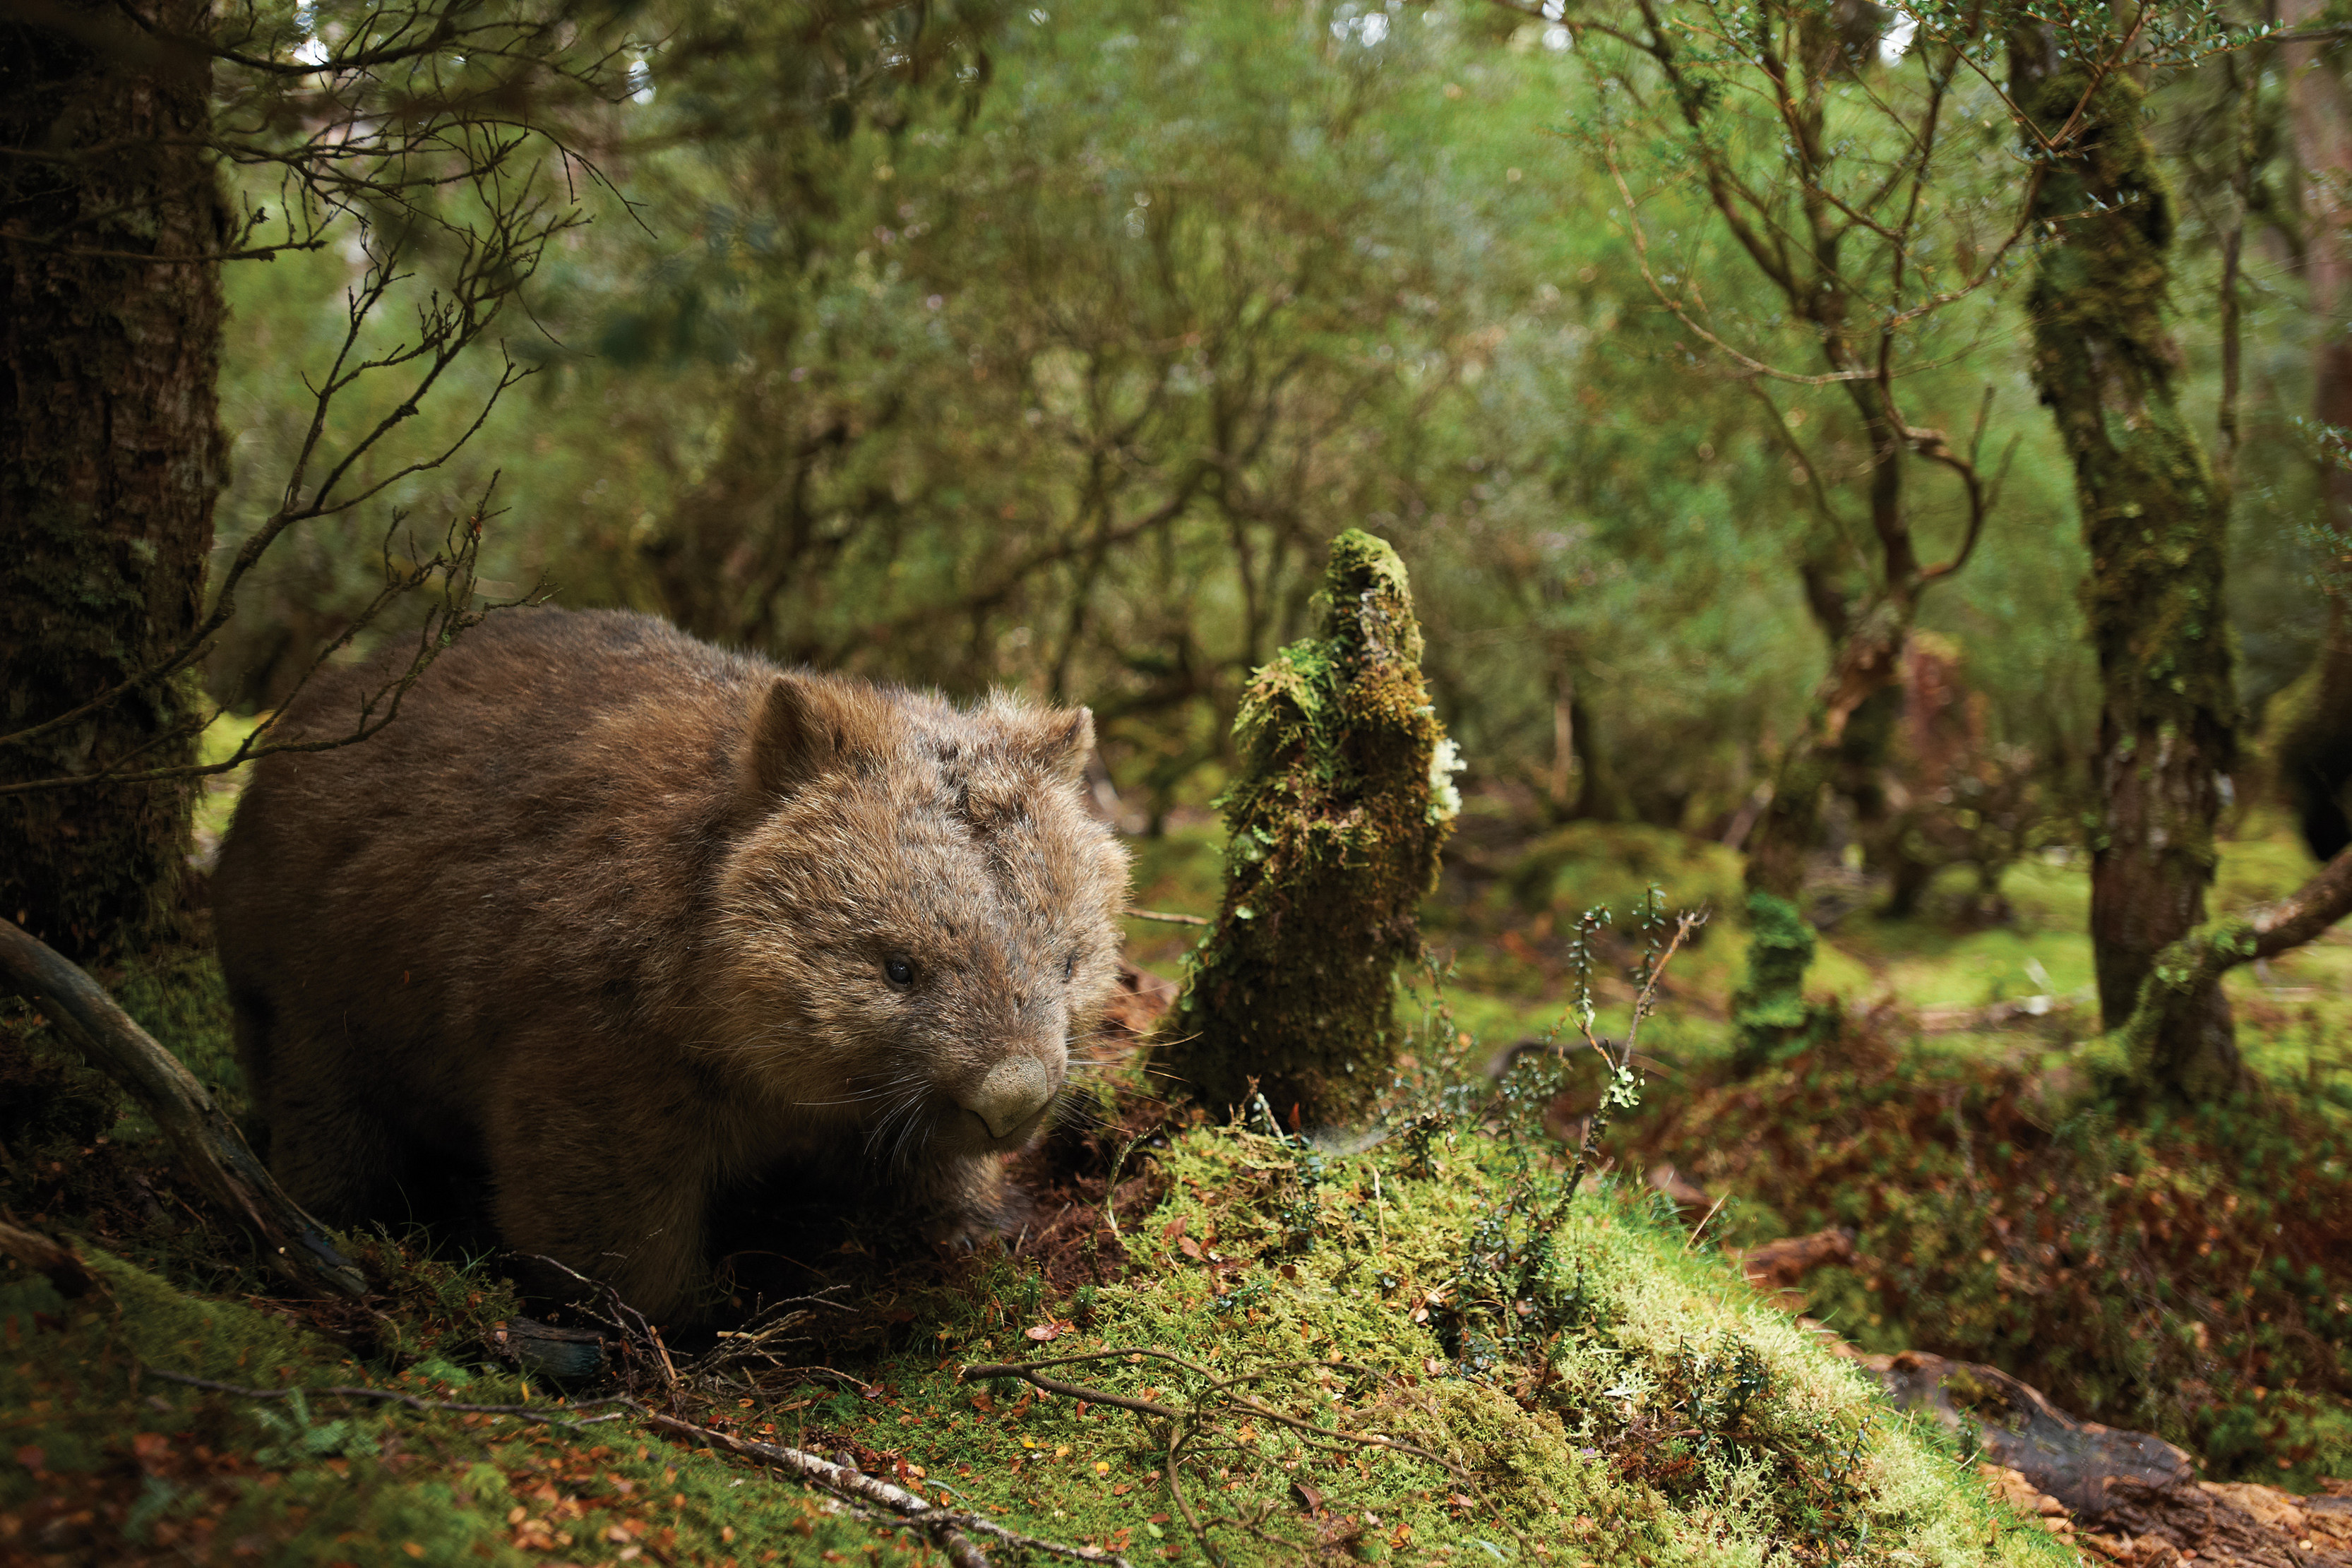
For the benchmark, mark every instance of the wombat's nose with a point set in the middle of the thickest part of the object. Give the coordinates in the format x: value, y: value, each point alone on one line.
x: 1015, y: 1090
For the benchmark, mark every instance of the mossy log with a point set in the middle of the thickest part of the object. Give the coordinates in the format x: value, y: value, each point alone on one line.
x: 1336, y: 815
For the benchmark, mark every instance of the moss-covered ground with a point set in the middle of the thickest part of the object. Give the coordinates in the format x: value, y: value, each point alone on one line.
x: 1407, y: 1352
x: 1596, y: 1386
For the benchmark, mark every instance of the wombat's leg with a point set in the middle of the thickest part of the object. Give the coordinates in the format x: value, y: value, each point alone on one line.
x: 586, y: 1187
x: 965, y: 1202
x: 328, y: 1148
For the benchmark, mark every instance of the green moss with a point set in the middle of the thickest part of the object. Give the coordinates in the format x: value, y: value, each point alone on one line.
x: 1361, y: 1328
x: 1334, y: 821
x: 114, y: 1463
x: 1771, y: 1019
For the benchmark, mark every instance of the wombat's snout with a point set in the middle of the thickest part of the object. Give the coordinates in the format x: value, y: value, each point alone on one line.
x: 1011, y: 1094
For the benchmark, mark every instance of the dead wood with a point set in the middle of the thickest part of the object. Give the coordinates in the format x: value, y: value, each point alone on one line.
x: 207, y: 1144
x: 1779, y: 1265
x: 65, y: 1269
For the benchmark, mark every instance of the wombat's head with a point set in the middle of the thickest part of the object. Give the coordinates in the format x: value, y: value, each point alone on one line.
x: 919, y: 917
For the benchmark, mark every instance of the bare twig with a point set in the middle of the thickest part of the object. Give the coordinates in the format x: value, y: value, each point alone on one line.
x: 455, y: 564
x: 987, y: 1371
x: 1163, y: 915
x: 1219, y: 1389
x: 1620, y: 1064
x: 1111, y: 1187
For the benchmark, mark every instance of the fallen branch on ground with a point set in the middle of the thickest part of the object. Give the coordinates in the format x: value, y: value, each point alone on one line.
x: 206, y: 1141
x: 945, y: 1526
x: 540, y: 1415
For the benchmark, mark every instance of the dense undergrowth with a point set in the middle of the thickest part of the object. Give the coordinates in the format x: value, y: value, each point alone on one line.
x: 2190, y: 1275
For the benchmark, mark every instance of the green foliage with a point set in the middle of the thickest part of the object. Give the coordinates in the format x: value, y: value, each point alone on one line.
x: 2186, y: 1277
x: 1771, y: 1017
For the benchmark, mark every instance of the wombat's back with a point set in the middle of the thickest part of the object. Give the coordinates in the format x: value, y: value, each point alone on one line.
x: 367, y: 896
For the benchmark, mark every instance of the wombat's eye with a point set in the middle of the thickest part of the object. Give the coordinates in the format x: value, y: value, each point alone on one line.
x: 899, y: 970
x: 1070, y: 967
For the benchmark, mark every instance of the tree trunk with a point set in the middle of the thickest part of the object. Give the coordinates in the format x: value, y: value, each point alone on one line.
x: 111, y: 452
x: 2315, y: 755
x: 2154, y: 519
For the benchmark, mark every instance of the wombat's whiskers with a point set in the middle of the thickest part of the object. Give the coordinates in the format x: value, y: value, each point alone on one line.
x: 897, y: 1127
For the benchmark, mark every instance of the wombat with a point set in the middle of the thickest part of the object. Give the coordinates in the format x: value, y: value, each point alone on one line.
x: 624, y: 920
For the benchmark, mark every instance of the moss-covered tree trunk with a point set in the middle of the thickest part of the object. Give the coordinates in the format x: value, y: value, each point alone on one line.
x: 2153, y: 517
x: 111, y: 449
x: 1335, y: 819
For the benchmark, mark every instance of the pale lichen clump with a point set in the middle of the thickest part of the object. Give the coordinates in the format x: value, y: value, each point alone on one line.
x: 1344, y: 794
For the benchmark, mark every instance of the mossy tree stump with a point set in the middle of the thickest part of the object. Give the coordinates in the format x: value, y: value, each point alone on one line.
x: 1343, y: 797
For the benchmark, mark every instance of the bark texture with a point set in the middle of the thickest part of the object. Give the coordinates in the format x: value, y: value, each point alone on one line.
x: 1336, y: 816
x: 111, y: 451
x: 2154, y: 518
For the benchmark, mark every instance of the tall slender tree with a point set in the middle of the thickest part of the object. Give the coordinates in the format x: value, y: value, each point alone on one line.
x: 2153, y: 516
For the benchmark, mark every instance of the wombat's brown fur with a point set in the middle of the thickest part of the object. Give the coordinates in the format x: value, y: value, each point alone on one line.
x: 626, y: 919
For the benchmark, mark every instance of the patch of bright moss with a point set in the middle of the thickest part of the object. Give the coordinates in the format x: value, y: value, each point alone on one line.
x: 1321, y: 1287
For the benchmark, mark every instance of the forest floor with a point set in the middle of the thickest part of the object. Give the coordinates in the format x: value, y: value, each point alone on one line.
x: 1408, y: 1351
x: 2189, y: 1275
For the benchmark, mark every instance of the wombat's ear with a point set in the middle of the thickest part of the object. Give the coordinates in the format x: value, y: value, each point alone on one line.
x: 798, y: 730
x: 1065, y: 739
